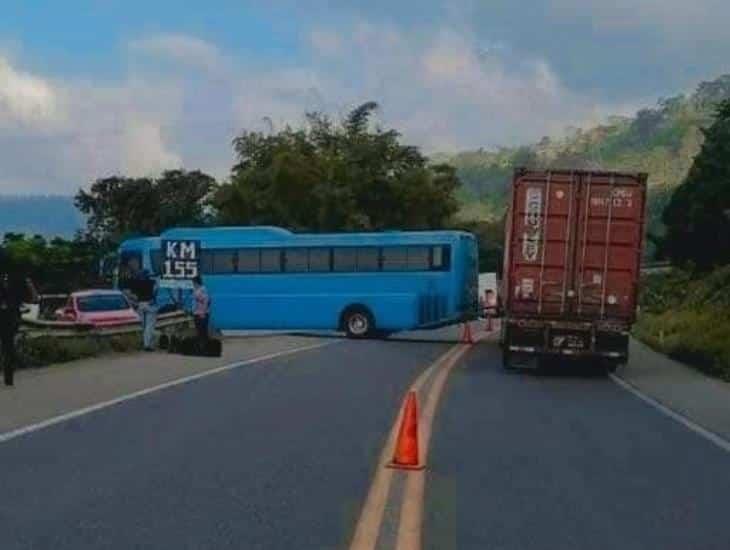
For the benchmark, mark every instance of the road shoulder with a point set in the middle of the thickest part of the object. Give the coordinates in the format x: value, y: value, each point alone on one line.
x: 704, y: 400
x: 41, y: 394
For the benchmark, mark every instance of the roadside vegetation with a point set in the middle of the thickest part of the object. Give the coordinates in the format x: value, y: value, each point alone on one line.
x: 687, y: 313
x: 47, y: 350
x: 688, y: 318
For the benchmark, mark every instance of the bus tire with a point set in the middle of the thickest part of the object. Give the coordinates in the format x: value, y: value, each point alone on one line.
x: 358, y: 322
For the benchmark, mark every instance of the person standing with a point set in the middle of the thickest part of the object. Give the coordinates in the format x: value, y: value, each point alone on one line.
x: 144, y: 289
x: 147, y: 296
x: 14, y: 290
x: 201, y: 312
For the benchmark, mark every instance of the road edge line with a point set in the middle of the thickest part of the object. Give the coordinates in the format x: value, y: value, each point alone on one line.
x: 718, y: 440
x: 18, y: 432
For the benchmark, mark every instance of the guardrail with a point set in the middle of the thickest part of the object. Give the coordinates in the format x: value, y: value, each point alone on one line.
x: 67, y: 329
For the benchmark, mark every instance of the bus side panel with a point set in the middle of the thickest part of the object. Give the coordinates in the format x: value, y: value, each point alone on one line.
x: 309, y: 311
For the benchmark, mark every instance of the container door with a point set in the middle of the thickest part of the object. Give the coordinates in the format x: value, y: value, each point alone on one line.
x: 609, y: 243
x: 542, y: 240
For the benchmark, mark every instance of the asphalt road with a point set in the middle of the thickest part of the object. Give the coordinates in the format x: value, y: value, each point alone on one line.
x: 280, y: 454
x: 525, y: 461
x: 274, y: 455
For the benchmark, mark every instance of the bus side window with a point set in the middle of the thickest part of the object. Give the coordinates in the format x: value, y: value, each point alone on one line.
x: 395, y: 258
x: 296, y: 260
x: 319, y: 259
x: 418, y: 258
x: 249, y: 260
x: 345, y: 259
x: 441, y: 258
x: 270, y: 260
x: 368, y: 259
x: 224, y: 261
x: 206, y: 262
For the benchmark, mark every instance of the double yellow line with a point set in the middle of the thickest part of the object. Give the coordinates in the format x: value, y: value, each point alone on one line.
x: 431, y: 382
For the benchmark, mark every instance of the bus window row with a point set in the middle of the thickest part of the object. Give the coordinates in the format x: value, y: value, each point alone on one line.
x: 321, y: 259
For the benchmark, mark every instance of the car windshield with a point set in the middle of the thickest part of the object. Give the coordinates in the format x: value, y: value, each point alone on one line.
x: 112, y: 302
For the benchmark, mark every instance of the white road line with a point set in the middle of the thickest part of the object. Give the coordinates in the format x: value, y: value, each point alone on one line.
x: 714, y: 438
x: 7, y: 436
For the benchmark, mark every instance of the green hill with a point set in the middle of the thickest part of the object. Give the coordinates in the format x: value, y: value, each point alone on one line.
x: 662, y: 141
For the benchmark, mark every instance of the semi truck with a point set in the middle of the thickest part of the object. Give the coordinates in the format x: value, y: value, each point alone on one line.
x: 574, y: 242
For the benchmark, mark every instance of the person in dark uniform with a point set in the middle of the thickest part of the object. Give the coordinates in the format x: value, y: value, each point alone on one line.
x: 14, y: 291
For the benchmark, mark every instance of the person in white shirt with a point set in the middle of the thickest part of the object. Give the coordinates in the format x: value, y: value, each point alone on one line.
x: 201, y: 311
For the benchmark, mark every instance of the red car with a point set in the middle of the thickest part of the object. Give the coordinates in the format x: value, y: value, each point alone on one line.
x: 100, y: 308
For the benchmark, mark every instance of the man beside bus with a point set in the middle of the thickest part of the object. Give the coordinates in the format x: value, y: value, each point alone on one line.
x: 144, y: 289
x: 201, y: 312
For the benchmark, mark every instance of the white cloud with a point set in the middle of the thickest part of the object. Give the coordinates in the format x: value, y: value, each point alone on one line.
x: 56, y: 136
x: 325, y: 42
x: 145, y: 152
x: 440, y: 88
x: 180, y: 48
x: 25, y: 99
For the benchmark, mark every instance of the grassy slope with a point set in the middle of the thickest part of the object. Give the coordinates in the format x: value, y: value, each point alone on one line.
x: 687, y: 318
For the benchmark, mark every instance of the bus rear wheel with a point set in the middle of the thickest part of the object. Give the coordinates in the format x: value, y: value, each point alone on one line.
x: 358, y: 323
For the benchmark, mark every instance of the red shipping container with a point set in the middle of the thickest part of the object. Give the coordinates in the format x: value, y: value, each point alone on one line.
x: 573, y: 257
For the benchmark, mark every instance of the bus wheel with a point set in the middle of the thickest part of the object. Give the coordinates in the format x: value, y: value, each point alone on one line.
x: 358, y: 322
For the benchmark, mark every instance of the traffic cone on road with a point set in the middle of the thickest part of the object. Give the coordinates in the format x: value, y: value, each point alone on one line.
x: 406, y: 455
x: 466, y: 337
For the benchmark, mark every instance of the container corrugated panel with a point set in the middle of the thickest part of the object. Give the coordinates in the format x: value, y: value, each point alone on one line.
x: 574, y: 244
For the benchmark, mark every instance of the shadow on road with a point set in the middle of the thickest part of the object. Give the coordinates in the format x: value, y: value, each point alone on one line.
x: 569, y: 368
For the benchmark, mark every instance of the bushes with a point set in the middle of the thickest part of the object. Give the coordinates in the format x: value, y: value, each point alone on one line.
x: 687, y: 318
x: 45, y: 350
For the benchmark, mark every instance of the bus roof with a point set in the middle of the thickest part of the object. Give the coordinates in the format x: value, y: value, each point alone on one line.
x: 140, y: 243
x: 276, y: 236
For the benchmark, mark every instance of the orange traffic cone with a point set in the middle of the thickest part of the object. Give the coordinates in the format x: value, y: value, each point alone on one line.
x: 406, y: 455
x: 466, y: 337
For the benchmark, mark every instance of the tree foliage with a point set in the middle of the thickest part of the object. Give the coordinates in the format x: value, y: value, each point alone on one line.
x: 698, y: 215
x: 118, y: 207
x: 332, y: 176
x: 57, y: 265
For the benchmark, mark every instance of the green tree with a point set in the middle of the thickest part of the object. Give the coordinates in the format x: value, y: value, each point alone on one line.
x: 58, y: 265
x: 328, y: 176
x: 697, y: 217
x: 118, y: 207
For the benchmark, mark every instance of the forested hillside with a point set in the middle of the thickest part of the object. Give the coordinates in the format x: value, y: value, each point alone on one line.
x: 662, y: 141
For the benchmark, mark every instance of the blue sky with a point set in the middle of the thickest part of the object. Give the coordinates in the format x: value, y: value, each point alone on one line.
x: 89, y: 89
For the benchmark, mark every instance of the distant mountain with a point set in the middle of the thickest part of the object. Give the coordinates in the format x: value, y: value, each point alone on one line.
x: 662, y: 141
x: 50, y: 216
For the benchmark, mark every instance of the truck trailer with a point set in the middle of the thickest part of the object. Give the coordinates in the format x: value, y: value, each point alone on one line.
x: 574, y: 242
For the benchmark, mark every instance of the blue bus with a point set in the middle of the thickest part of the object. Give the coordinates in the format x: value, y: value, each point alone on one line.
x: 364, y: 284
